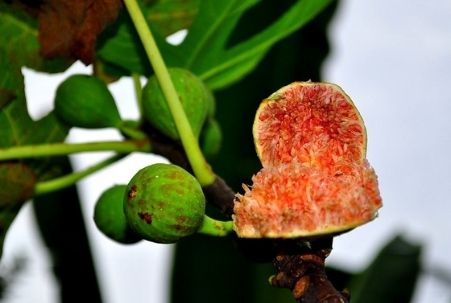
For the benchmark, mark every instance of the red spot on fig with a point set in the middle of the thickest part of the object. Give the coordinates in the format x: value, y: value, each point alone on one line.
x: 132, y: 193
x: 146, y: 217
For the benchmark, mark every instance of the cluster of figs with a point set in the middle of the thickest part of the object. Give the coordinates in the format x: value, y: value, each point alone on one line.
x: 310, y: 138
x: 162, y: 202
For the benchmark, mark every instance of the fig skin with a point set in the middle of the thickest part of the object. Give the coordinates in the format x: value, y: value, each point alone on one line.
x: 109, y: 216
x: 85, y: 101
x: 164, y: 203
x: 211, y: 138
x: 194, y: 96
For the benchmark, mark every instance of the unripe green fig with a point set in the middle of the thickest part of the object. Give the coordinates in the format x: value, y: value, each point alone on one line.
x: 85, y: 101
x: 193, y: 95
x: 110, y: 218
x: 211, y: 138
x: 164, y: 203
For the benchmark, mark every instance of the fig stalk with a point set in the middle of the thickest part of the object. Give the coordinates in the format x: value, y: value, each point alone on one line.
x: 60, y: 149
x: 214, y: 227
x: 201, y: 169
x: 45, y: 187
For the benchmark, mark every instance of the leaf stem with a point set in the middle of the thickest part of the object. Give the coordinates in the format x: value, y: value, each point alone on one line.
x: 200, y: 167
x: 58, y: 149
x: 214, y: 227
x: 45, y: 187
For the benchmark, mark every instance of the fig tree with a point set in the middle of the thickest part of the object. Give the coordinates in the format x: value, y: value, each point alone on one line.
x: 164, y: 203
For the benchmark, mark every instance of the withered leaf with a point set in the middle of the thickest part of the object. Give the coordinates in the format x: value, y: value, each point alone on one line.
x: 69, y: 28
x: 17, y: 182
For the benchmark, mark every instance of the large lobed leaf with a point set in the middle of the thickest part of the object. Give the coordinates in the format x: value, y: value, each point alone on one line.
x: 205, y: 50
x: 18, y: 48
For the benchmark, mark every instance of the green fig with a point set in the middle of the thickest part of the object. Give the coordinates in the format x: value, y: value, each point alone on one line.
x: 164, y: 203
x: 193, y: 95
x: 85, y: 101
x: 110, y: 218
x: 211, y: 138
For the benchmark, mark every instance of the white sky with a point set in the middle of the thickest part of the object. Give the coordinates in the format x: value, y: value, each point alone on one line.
x: 394, y: 59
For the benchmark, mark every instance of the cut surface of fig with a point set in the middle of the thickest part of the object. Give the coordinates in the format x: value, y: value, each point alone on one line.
x: 315, y: 178
x: 292, y: 200
x: 313, y: 123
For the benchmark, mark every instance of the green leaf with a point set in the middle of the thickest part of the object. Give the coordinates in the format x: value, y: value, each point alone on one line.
x: 170, y: 16
x: 219, y: 66
x: 205, y: 51
x: 392, y: 275
x: 120, y: 46
x: 19, y: 47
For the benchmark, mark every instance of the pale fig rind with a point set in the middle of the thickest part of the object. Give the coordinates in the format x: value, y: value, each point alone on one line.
x: 109, y: 216
x: 315, y: 179
x: 85, y: 101
x: 164, y: 203
x: 194, y: 97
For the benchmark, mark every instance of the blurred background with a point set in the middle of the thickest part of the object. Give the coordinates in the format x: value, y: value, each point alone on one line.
x: 394, y: 59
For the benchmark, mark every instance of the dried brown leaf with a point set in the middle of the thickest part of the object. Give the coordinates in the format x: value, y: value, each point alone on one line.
x: 69, y: 28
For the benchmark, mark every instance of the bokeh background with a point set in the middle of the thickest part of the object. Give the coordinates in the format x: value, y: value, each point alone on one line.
x: 394, y: 59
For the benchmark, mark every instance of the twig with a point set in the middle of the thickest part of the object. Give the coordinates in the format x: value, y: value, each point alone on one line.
x: 300, y: 268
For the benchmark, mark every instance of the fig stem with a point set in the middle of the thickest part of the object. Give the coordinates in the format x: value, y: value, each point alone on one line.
x: 45, y: 187
x: 200, y: 167
x: 59, y: 149
x: 132, y: 133
x: 214, y: 227
x: 138, y: 94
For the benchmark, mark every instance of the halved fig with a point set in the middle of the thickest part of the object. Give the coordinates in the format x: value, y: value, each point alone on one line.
x: 315, y: 179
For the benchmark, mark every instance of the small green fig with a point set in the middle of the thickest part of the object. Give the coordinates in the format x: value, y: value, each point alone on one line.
x: 193, y: 95
x: 85, y: 101
x: 164, y: 203
x: 110, y: 218
x: 211, y: 138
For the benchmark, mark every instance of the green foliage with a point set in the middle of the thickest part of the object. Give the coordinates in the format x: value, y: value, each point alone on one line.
x: 205, y: 51
x: 18, y: 48
x: 164, y: 203
x: 85, y: 101
x: 391, y: 276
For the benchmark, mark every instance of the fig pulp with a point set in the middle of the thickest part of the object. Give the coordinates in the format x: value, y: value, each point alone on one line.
x: 110, y: 218
x: 315, y: 179
x: 85, y: 101
x: 164, y: 203
x: 193, y: 94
